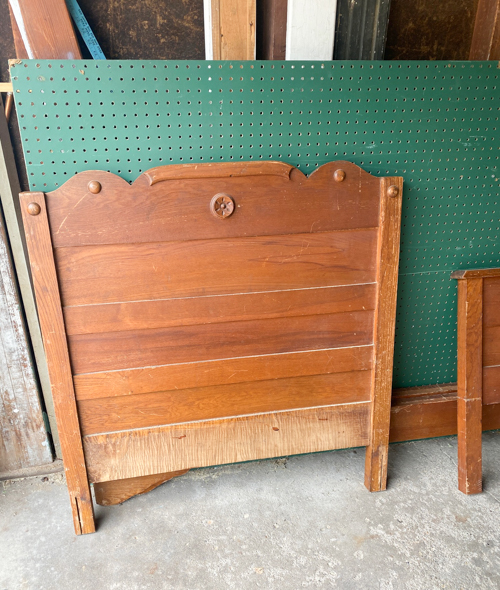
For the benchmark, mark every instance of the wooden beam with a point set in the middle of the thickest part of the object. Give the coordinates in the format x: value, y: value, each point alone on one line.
x: 485, y: 43
x: 230, y: 29
x: 45, y: 28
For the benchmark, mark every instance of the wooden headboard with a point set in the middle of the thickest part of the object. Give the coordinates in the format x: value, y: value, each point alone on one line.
x: 214, y: 313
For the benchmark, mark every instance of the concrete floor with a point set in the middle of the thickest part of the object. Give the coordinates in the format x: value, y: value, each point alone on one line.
x: 303, y: 522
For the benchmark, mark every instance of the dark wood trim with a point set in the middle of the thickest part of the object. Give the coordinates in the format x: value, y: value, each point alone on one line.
x: 476, y: 273
x: 485, y: 42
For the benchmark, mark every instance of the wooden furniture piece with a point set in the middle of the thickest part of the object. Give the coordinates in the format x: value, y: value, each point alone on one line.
x: 215, y: 313
x: 478, y: 366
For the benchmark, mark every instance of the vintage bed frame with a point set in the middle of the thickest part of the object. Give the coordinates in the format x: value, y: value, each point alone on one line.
x: 214, y: 313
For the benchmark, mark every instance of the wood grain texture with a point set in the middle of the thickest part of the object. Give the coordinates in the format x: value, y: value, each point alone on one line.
x: 222, y: 401
x: 385, y: 323
x: 110, y: 493
x: 469, y: 384
x: 281, y: 201
x: 233, y: 29
x: 491, y: 385
x: 186, y: 344
x: 491, y: 301
x: 128, y: 272
x: 52, y: 325
x: 164, y: 313
x: 226, y: 371
x: 200, y: 444
x: 45, y: 29
x: 485, y: 42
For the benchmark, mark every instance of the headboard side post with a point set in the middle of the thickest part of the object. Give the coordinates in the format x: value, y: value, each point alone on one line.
x: 384, y: 329
x: 41, y: 255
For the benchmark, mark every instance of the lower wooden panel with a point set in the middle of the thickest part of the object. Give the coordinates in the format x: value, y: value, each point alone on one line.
x: 208, y: 403
x: 200, y: 444
x: 431, y: 411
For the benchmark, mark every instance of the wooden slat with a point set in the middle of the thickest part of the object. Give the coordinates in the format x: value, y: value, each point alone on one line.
x: 139, y: 348
x: 227, y: 371
x: 163, y: 313
x: 385, y: 320
x: 485, y: 42
x: 216, y: 442
x: 165, y: 205
x: 222, y: 401
x: 45, y: 28
x: 99, y: 274
x: 110, y: 493
x: 233, y: 29
x: 52, y: 325
x: 491, y: 385
x: 469, y: 384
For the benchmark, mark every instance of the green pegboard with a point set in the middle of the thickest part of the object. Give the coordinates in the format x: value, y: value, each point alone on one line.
x: 434, y: 123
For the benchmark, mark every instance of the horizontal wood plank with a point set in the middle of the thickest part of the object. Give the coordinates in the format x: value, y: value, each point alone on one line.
x: 163, y: 313
x: 226, y: 371
x: 100, y: 274
x: 279, y: 199
x: 207, y: 403
x: 216, y: 442
x: 140, y: 348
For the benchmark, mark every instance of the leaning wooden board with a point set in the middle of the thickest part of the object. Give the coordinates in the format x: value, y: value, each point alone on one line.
x: 478, y: 367
x: 215, y: 313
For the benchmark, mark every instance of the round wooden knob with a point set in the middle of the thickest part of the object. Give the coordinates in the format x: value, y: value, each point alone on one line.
x: 393, y: 191
x: 222, y: 206
x: 94, y: 187
x: 34, y: 208
x: 339, y: 175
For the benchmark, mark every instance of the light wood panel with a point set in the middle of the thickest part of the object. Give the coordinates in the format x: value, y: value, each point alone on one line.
x: 185, y: 344
x: 163, y: 313
x: 207, y: 403
x: 52, y: 325
x: 233, y: 29
x: 165, y: 204
x: 385, y: 324
x: 216, y: 442
x: 226, y: 371
x: 99, y: 274
x: 491, y: 345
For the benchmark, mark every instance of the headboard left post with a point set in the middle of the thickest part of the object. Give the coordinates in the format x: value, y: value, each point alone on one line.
x: 46, y: 287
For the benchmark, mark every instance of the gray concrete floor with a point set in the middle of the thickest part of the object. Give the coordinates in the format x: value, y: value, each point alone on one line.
x: 302, y: 522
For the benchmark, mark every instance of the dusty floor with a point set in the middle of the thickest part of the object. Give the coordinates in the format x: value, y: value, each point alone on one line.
x: 303, y: 522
